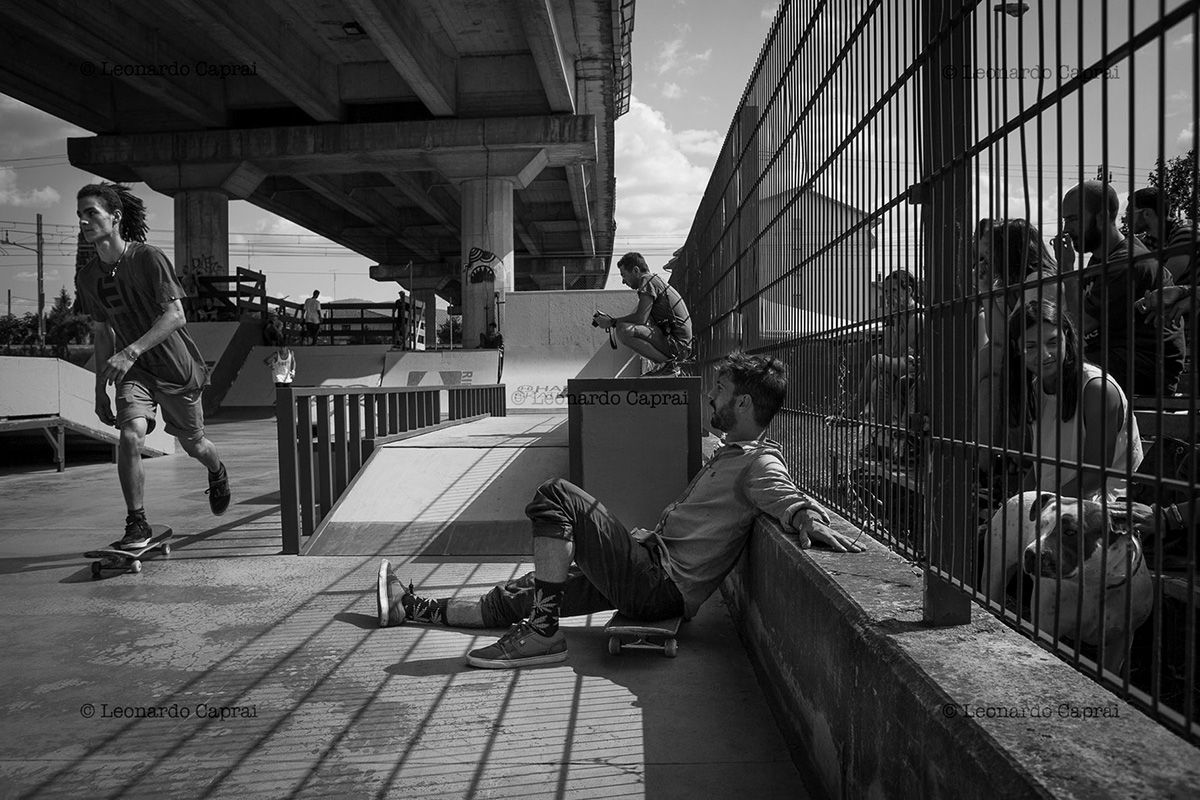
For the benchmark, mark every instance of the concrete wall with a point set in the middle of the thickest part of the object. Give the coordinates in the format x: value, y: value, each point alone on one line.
x: 549, y: 339
x: 873, y: 700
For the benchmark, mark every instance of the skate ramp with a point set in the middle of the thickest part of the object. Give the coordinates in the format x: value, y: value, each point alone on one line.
x: 44, y: 392
x: 460, y: 491
x: 440, y: 368
x: 549, y: 339
x: 341, y: 365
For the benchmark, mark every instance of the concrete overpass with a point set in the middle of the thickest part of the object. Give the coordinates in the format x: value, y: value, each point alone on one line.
x: 409, y: 131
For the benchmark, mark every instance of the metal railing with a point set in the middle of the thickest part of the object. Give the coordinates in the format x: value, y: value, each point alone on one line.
x: 882, y: 213
x: 326, y: 434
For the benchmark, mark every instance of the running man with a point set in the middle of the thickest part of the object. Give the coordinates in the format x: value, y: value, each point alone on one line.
x: 142, y: 347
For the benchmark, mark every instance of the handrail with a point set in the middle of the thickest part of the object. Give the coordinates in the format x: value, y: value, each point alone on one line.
x: 326, y: 433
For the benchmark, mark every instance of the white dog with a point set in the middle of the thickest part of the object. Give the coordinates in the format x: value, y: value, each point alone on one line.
x: 1072, y: 548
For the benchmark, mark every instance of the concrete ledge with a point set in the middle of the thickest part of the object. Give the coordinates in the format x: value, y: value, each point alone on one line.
x: 877, y: 704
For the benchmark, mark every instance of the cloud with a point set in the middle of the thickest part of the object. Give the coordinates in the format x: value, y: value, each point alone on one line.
x: 768, y: 13
x: 12, y: 195
x: 671, y: 91
x: 1185, y: 137
x: 673, y: 57
x: 1183, y: 41
x: 661, y: 176
x: 29, y: 132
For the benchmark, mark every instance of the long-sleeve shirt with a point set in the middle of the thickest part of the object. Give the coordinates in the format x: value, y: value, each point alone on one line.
x: 702, y: 533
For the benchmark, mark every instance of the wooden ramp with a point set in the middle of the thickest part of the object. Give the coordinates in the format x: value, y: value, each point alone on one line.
x: 459, y: 491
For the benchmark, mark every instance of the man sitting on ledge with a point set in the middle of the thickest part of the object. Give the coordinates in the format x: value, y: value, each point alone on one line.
x: 585, y: 560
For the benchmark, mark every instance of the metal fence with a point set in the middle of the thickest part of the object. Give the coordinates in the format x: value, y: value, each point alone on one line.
x: 327, y: 433
x: 924, y: 210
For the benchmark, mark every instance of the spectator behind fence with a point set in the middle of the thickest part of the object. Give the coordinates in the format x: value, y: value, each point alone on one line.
x: 273, y: 331
x: 312, y: 315
x: 886, y: 381
x: 1173, y: 241
x: 1148, y: 359
x: 1076, y: 416
x: 1012, y: 264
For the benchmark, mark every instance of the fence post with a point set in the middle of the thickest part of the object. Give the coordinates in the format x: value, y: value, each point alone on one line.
x: 946, y: 201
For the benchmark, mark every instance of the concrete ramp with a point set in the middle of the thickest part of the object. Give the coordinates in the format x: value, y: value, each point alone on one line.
x: 440, y: 368
x: 40, y: 392
x: 549, y: 339
x: 343, y: 365
x: 454, y: 492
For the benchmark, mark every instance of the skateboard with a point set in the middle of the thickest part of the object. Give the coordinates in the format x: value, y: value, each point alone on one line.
x: 114, y: 558
x: 642, y: 635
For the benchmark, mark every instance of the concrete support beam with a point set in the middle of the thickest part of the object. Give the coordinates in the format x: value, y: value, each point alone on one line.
x: 487, y: 224
x: 419, y: 192
x: 366, y: 205
x: 398, y: 31
x: 254, y: 34
x: 555, y: 69
x: 201, y: 236
x: 108, y: 38
x: 465, y: 146
x: 56, y: 91
x: 577, y: 183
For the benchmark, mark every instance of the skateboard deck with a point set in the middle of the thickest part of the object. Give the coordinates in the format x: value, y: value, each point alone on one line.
x: 643, y: 635
x: 114, y: 558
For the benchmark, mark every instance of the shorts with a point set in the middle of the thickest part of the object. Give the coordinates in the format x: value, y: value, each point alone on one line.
x: 669, y: 346
x: 182, y: 413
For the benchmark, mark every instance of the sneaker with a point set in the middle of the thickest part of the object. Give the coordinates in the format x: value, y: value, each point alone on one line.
x: 218, y: 491
x: 138, y: 534
x: 522, y: 646
x: 388, y: 596
x: 668, y: 370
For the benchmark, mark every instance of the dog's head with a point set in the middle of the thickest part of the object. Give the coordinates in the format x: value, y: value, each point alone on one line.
x: 1072, y: 536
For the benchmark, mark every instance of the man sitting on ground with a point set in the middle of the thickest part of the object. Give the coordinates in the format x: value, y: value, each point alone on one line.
x: 585, y: 560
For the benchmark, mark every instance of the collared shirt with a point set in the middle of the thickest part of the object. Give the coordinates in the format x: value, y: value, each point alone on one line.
x: 701, y: 535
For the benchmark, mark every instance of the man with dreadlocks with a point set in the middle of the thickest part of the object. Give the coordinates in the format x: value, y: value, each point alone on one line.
x: 142, y: 347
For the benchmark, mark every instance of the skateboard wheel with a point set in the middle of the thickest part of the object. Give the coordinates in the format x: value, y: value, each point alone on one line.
x: 95, y: 569
x: 166, y: 548
x: 614, y: 646
x: 136, y: 566
x: 670, y: 648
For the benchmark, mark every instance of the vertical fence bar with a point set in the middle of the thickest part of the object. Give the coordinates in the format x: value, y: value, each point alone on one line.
x: 355, y: 453
x: 304, y: 447
x: 285, y: 433
x: 323, y: 457
x: 339, y: 445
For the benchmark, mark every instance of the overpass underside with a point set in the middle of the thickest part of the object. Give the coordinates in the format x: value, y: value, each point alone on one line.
x: 411, y: 133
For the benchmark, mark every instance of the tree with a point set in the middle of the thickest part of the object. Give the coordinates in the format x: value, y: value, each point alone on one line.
x: 452, y: 326
x: 64, y: 326
x: 1178, y: 179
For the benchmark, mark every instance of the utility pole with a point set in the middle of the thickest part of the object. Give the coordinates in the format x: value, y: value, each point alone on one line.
x: 41, y: 288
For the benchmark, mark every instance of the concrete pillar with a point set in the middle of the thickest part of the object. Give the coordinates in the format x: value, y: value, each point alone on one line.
x: 201, y: 235
x: 429, y: 298
x: 487, y: 224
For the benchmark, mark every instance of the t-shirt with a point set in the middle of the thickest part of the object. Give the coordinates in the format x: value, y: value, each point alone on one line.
x: 1110, y: 287
x: 1064, y: 441
x: 1181, y: 240
x: 668, y: 311
x: 129, y: 296
x: 283, y: 369
x: 312, y: 311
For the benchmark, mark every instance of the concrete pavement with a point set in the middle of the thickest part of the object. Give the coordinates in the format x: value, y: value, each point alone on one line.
x: 310, y: 697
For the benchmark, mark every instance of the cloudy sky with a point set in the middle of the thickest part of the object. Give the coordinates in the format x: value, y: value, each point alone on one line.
x: 690, y: 65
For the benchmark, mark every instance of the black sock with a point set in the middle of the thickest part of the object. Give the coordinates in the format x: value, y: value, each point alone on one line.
x: 547, y: 597
x: 220, y: 471
x: 136, y: 514
x: 422, y: 609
